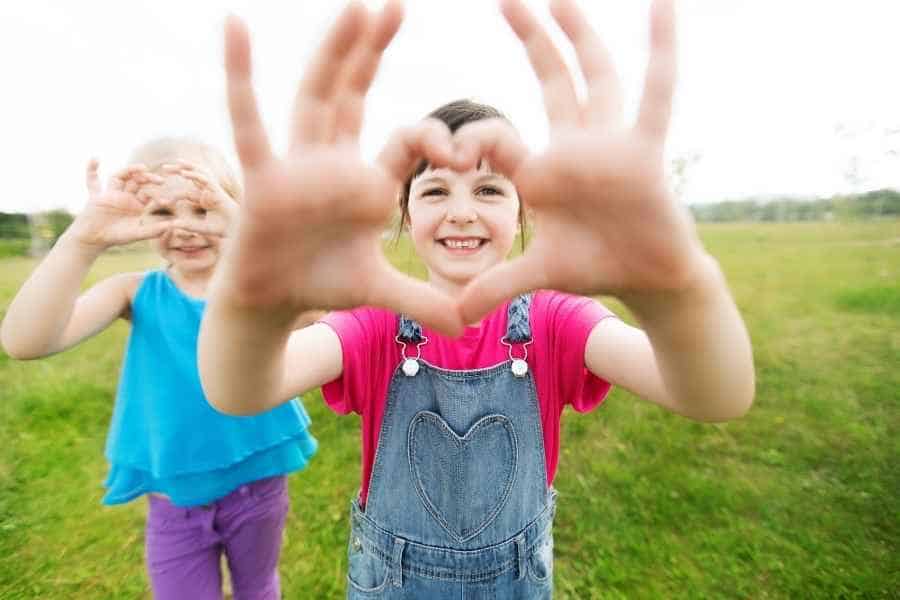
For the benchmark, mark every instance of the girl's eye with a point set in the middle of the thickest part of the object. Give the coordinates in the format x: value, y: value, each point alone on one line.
x: 489, y: 190
x: 162, y: 212
x: 200, y: 211
x: 434, y: 192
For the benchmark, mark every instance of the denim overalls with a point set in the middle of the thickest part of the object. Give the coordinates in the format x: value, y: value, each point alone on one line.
x: 458, y: 503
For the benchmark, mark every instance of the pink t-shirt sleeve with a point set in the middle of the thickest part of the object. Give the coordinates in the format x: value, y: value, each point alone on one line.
x: 364, y: 339
x: 567, y: 321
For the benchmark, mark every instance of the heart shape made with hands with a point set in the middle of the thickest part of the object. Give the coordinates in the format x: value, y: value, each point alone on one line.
x: 605, y: 222
x: 186, y: 197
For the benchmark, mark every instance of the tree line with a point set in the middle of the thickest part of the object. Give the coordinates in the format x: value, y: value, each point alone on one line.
x: 21, y: 233
x: 869, y: 205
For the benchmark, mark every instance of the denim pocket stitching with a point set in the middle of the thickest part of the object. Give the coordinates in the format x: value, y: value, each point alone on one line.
x: 372, y: 557
x: 451, y: 435
x: 536, y: 555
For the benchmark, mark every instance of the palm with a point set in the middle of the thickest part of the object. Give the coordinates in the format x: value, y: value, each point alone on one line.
x: 619, y: 227
x: 320, y: 234
x: 605, y: 221
x: 310, y: 227
x: 113, y: 216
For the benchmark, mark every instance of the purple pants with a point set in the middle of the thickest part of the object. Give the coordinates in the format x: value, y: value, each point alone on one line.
x: 184, y: 545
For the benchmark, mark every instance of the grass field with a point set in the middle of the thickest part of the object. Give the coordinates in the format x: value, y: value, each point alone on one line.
x: 800, y: 499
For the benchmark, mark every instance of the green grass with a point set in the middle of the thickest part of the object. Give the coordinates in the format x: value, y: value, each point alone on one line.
x: 800, y: 499
x: 13, y: 247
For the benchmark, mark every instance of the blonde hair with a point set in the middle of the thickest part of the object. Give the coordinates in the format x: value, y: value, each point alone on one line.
x: 160, y: 151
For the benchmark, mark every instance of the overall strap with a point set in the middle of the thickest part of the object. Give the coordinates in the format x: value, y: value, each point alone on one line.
x: 409, y: 330
x: 518, y: 326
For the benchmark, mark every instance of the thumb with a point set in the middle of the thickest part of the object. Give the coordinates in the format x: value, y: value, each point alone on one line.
x: 215, y: 228
x: 149, y: 231
x: 496, y: 285
x: 418, y: 299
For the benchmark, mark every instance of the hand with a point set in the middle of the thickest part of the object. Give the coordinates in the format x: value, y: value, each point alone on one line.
x: 187, y: 181
x: 309, y: 233
x: 113, y: 216
x: 605, y: 221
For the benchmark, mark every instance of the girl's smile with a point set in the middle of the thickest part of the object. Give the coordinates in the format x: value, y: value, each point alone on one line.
x: 462, y: 224
x: 459, y: 246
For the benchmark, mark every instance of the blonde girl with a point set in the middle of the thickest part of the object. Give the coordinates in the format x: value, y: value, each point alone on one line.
x: 215, y: 484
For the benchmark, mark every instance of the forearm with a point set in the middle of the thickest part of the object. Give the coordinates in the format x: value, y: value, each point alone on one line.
x: 701, y: 346
x: 37, y: 317
x: 241, y: 354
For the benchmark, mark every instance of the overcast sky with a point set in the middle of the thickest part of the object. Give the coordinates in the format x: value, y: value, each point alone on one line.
x: 775, y: 96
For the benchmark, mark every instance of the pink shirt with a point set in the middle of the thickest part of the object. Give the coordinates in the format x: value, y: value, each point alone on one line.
x: 560, y: 325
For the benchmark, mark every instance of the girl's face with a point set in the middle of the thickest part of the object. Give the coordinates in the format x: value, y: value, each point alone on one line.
x: 462, y: 224
x: 187, y: 252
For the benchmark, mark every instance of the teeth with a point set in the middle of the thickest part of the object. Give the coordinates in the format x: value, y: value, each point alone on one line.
x: 462, y: 243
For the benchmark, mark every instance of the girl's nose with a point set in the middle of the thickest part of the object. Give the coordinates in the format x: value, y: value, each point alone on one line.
x: 461, y: 212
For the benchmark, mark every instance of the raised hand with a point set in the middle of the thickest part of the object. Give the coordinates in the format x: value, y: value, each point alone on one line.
x: 114, y: 215
x: 309, y: 233
x: 605, y: 221
x: 191, y: 182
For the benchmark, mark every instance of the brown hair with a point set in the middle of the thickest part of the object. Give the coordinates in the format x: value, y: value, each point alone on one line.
x: 165, y: 150
x: 454, y: 115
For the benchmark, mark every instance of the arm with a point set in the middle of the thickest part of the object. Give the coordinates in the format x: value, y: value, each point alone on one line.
x: 251, y: 362
x: 47, y: 315
x: 693, y: 357
x: 606, y: 223
x: 309, y: 231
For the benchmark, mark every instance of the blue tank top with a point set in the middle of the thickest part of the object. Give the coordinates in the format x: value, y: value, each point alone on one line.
x: 165, y: 437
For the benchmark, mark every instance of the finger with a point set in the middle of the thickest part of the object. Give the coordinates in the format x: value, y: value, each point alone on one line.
x: 149, y: 178
x: 135, y: 169
x: 148, y: 193
x: 142, y: 177
x: 250, y: 137
x: 429, y: 140
x: 365, y: 61
x: 145, y: 197
x: 186, y: 166
x: 659, y: 85
x: 92, y: 178
x: 604, y: 104
x: 149, y: 231
x: 132, y: 185
x: 188, y: 172
x: 199, y: 227
x: 418, y: 299
x: 171, y: 168
x: 196, y: 178
x: 500, y: 283
x: 493, y: 140
x: 314, y: 106
x: 121, y: 177
x: 560, y: 99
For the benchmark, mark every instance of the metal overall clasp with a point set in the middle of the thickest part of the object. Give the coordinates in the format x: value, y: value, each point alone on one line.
x: 410, y: 366
x: 519, y: 366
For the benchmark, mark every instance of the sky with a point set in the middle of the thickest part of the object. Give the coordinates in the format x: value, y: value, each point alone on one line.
x: 775, y: 97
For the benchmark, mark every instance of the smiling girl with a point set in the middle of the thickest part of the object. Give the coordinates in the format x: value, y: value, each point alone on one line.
x: 215, y: 484
x: 461, y: 381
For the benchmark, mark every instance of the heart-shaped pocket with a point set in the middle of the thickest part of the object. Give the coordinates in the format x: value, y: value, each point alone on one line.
x: 465, y: 481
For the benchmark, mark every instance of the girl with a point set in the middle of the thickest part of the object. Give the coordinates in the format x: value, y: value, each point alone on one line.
x: 215, y: 483
x: 461, y: 434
